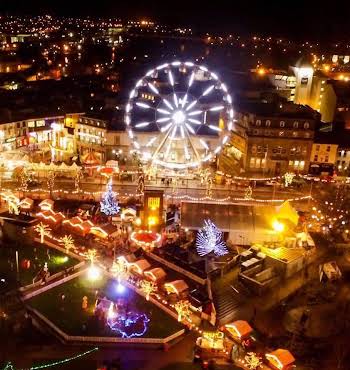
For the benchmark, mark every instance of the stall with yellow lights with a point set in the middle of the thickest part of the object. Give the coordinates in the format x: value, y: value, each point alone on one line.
x: 51, y: 218
x: 210, y: 345
x: 46, y: 204
x: 280, y: 359
x: 26, y: 205
x: 77, y: 225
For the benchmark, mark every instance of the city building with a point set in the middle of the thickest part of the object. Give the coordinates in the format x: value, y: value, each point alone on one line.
x: 279, y: 136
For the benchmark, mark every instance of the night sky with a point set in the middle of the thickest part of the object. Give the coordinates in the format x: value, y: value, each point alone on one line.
x: 299, y: 19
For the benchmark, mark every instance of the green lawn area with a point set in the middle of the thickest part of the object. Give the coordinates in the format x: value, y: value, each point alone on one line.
x: 37, y: 254
x: 69, y: 315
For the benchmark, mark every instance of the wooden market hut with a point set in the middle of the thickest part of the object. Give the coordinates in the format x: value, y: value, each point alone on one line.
x: 178, y: 287
x: 157, y: 275
x: 239, y: 330
x: 139, y: 266
x: 51, y: 218
x: 46, y: 204
x: 280, y: 359
x: 26, y: 204
x: 105, y: 231
x: 77, y: 225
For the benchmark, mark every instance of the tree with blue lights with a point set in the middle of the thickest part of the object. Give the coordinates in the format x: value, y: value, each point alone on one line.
x: 109, y: 204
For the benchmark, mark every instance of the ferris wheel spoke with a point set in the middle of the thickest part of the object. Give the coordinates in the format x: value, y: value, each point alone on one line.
x: 191, y: 144
x: 166, y: 102
x: 153, y: 88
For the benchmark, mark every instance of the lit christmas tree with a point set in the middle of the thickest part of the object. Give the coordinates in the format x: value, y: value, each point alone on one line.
x: 109, y: 204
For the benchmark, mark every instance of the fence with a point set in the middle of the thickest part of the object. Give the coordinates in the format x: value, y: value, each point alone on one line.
x: 102, y: 340
x: 174, y: 267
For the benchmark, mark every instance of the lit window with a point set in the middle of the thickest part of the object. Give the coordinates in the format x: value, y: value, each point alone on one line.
x: 296, y: 124
x: 282, y: 124
x: 268, y: 123
x: 306, y: 125
x: 258, y: 122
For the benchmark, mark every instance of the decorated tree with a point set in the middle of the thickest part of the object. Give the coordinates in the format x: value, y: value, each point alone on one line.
x: 109, y: 204
x: 91, y: 255
x: 148, y: 287
x: 51, y: 182
x: 120, y: 271
x: 183, y: 310
x: 68, y: 242
x: 43, y: 230
x: 77, y: 180
x: 252, y: 360
x: 248, y: 195
x: 288, y: 178
x: 209, y: 239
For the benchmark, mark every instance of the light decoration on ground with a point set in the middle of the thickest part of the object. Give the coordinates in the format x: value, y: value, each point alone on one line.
x: 182, y: 308
x: 109, y: 204
x: 68, y: 242
x: 179, y: 116
x: 252, y: 360
x: 43, y: 230
x: 145, y: 239
x: 9, y: 365
x: 288, y: 178
x: 209, y: 239
x: 148, y: 288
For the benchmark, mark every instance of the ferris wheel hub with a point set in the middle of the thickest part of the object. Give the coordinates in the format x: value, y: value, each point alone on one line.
x: 179, y: 117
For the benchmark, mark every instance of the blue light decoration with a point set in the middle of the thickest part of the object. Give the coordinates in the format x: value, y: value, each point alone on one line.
x: 120, y: 288
x: 109, y: 204
x: 129, y: 325
x: 209, y: 239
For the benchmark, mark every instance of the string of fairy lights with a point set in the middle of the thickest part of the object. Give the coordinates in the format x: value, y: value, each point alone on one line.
x: 9, y: 365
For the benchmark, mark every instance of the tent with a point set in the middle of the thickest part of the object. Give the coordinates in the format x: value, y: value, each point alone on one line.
x: 280, y: 359
x: 156, y: 274
x: 239, y: 329
x: 177, y: 286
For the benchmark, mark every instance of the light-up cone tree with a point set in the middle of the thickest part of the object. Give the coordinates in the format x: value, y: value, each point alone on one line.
x: 183, y: 310
x: 43, y: 230
x: 148, y: 287
x: 109, y: 204
x: 94, y: 272
x: 68, y: 242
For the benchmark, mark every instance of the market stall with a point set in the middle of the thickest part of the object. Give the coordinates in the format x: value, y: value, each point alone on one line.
x: 280, y: 359
x: 77, y: 226
x: 139, y: 266
x: 46, y: 204
x: 157, y: 275
x: 178, y: 287
x: 51, y: 218
x: 239, y: 330
x: 105, y: 231
x: 26, y: 204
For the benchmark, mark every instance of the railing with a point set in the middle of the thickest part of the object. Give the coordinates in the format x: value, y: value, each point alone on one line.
x: 59, y: 248
x: 51, y: 277
x: 102, y: 340
x: 52, y: 285
x: 174, y: 267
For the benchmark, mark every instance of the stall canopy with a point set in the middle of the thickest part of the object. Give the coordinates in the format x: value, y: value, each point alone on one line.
x: 281, y: 359
x: 155, y: 274
x: 176, y: 286
x: 140, y: 266
x: 239, y: 328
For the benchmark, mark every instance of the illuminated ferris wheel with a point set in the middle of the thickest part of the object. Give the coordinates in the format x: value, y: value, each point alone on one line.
x: 179, y: 115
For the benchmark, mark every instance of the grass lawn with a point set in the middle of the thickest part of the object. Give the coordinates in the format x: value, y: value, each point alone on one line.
x: 69, y: 316
x: 37, y: 255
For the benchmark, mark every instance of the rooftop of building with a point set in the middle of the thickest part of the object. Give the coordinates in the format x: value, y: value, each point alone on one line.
x: 339, y: 135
